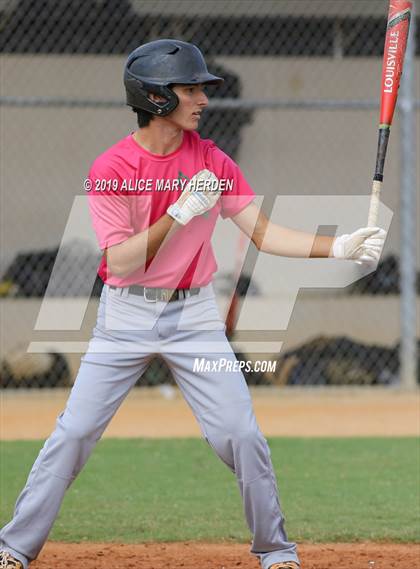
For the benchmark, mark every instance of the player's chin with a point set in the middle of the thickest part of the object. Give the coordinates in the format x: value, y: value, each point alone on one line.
x: 191, y: 124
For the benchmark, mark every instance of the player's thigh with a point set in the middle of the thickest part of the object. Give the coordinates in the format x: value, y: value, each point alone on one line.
x: 211, y: 379
x: 101, y: 385
x: 114, y: 361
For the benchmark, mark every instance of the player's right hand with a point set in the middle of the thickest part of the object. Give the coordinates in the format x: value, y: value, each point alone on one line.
x: 365, y: 244
x: 197, y: 197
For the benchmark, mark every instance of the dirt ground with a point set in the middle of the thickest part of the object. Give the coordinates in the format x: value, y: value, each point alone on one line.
x: 162, y: 412
x: 280, y: 412
x: 222, y: 556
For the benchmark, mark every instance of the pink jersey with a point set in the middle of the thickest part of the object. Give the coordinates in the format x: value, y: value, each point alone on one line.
x: 132, y: 188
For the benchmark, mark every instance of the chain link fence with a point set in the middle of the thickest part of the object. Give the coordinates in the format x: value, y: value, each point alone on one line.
x: 298, y: 111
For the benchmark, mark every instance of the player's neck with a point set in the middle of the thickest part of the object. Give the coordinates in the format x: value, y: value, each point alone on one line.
x: 159, y: 138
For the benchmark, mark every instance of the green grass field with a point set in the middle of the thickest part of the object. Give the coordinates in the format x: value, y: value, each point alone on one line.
x: 176, y: 489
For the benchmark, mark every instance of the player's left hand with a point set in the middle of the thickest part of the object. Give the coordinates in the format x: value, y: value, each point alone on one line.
x: 197, y: 198
x: 363, y: 245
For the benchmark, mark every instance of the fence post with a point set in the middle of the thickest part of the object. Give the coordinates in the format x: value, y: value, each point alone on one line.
x: 408, y: 345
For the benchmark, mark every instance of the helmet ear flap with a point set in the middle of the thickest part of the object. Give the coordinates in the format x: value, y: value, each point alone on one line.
x: 170, y: 103
x: 135, y: 88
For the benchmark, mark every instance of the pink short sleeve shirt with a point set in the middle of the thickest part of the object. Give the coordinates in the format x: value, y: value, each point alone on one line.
x: 132, y: 188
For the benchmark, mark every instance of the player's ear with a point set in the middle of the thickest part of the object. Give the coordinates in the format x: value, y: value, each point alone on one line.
x: 156, y: 98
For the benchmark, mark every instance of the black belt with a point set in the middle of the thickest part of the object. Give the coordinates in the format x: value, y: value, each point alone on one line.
x: 163, y: 294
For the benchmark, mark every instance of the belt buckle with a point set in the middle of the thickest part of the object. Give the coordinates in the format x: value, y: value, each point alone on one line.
x: 146, y: 298
x: 166, y: 294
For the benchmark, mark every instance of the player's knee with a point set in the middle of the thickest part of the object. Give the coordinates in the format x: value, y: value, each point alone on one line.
x: 249, y: 443
x: 77, y: 431
x: 242, y: 431
x: 232, y: 447
x: 233, y: 431
x: 245, y: 451
x: 223, y: 448
x: 245, y: 432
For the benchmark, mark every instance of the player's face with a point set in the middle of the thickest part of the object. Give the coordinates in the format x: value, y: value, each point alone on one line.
x: 192, y: 101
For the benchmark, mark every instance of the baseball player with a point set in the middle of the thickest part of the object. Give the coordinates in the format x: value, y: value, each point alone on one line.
x: 154, y: 200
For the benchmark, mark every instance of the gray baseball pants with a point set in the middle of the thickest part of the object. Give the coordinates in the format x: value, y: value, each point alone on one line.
x: 128, y: 333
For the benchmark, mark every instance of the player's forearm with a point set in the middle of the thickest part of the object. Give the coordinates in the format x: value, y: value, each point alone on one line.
x: 126, y: 257
x: 279, y: 240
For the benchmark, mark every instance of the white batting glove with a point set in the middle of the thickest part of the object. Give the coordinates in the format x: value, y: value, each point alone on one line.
x: 365, y: 244
x: 197, y: 197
